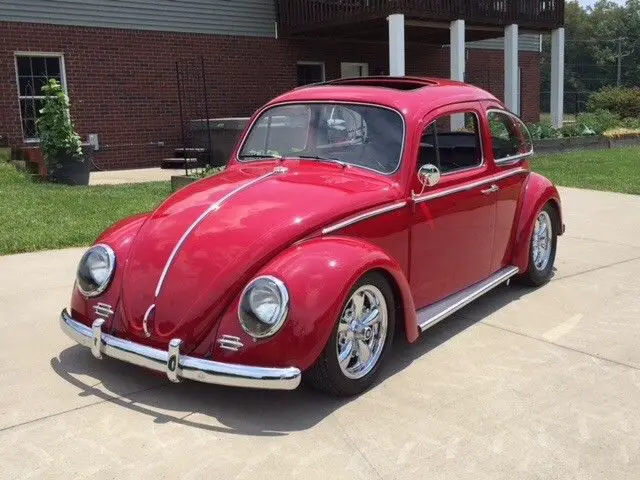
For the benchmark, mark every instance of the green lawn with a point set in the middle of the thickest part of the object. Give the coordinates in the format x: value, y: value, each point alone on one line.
x: 40, y: 216
x: 616, y: 170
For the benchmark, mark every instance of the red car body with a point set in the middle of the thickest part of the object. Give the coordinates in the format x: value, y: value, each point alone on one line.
x: 318, y: 227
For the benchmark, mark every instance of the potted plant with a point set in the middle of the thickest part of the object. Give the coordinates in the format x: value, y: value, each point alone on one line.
x: 60, y: 144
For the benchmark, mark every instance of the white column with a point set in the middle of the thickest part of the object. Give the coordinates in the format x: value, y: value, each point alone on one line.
x: 456, y: 50
x: 396, y: 44
x: 511, y: 68
x: 457, y: 63
x: 557, y: 77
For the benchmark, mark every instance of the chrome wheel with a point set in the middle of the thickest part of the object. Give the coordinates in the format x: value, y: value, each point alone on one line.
x: 362, y: 332
x: 541, y: 243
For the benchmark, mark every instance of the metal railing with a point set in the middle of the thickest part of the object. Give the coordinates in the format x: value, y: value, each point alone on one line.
x: 298, y: 16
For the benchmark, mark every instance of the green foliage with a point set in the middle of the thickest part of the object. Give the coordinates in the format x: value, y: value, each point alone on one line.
x: 58, y: 138
x: 591, y: 54
x: 633, y: 123
x: 599, y: 121
x: 208, y: 171
x: 42, y: 216
x: 624, y: 102
x: 542, y: 130
x: 5, y: 154
x: 616, y: 170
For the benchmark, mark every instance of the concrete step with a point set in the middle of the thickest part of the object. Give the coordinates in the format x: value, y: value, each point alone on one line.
x: 178, y: 162
x: 189, y: 151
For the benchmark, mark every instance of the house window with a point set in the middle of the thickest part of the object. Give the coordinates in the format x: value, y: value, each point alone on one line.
x: 353, y: 70
x: 33, y: 71
x: 310, y: 72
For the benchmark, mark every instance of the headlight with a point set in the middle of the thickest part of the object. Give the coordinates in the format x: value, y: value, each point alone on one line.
x: 264, y: 305
x: 96, y: 270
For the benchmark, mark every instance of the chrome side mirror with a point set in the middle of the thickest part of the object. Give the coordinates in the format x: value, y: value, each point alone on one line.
x: 428, y: 175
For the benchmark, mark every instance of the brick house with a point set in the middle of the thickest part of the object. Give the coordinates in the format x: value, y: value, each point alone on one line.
x: 117, y: 59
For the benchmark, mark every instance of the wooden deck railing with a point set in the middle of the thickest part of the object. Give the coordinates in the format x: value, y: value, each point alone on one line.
x: 298, y: 16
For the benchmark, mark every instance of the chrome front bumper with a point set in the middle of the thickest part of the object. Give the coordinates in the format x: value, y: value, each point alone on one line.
x: 175, y: 365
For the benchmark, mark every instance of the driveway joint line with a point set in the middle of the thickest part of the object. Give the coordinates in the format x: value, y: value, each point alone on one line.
x: 80, y: 407
x: 559, y: 345
x: 590, y: 239
x: 595, y: 269
x: 357, y: 448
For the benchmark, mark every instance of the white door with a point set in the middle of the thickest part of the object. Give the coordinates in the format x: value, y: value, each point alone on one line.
x: 350, y: 69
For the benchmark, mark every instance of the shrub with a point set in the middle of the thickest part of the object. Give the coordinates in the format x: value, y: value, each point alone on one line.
x: 208, y: 171
x: 58, y: 138
x: 599, y: 121
x: 542, y: 130
x: 630, y: 122
x: 624, y: 102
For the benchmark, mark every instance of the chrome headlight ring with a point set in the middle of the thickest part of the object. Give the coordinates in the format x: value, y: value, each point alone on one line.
x: 95, y: 270
x: 263, y: 307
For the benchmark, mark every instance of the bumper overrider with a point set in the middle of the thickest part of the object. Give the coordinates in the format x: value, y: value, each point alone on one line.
x: 175, y: 365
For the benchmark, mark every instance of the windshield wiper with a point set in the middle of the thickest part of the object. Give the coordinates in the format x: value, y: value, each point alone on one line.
x: 255, y: 155
x: 323, y: 159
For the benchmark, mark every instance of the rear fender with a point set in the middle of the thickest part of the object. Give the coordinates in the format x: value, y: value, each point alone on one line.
x: 319, y: 275
x: 537, y: 192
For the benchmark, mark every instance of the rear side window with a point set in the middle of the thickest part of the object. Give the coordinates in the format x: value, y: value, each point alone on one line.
x: 451, y: 143
x: 510, y: 137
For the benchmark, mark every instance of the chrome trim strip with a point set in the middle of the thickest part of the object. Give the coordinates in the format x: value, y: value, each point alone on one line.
x: 468, y: 186
x: 513, y: 159
x: 363, y: 216
x: 192, y: 368
x: 216, y: 206
x: 230, y: 342
x: 455, y: 302
x: 103, y: 309
x: 145, y: 320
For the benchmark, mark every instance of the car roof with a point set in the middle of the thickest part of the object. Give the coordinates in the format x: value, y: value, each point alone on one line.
x: 406, y: 94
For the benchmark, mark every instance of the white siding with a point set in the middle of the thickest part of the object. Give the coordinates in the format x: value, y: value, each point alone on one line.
x: 226, y: 17
x: 527, y: 42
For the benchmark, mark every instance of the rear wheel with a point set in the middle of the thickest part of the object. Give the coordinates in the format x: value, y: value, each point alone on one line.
x: 360, y: 340
x: 542, y: 249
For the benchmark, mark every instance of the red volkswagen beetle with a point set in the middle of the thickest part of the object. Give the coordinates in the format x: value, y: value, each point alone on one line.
x: 350, y: 211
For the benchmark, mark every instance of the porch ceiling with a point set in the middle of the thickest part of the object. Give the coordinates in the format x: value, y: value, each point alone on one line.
x: 415, y: 32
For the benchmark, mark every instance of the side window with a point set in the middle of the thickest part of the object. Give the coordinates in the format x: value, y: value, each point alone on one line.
x: 451, y: 143
x: 510, y: 137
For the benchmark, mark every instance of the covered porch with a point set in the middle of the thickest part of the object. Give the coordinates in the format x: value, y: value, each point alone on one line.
x: 436, y: 22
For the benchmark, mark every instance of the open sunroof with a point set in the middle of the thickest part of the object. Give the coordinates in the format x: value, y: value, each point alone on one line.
x: 396, y: 83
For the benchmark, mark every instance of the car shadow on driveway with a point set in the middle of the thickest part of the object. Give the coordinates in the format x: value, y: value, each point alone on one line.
x: 243, y: 411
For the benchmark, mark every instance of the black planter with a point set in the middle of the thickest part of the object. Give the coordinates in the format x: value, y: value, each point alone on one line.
x: 70, y: 170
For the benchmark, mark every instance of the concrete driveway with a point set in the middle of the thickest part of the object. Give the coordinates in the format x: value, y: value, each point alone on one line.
x: 522, y: 384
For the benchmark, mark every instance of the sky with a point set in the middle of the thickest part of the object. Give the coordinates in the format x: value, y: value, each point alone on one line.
x: 591, y: 2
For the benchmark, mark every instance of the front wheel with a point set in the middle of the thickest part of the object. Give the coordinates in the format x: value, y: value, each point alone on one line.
x: 360, y: 341
x: 542, y: 249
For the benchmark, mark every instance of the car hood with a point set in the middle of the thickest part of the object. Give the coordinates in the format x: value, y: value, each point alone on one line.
x: 201, y: 246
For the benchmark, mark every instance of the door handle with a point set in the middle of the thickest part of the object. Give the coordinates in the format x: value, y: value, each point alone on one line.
x: 492, y: 189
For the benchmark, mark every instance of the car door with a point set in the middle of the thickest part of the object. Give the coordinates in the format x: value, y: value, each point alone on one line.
x: 510, y: 147
x: 451, y: 238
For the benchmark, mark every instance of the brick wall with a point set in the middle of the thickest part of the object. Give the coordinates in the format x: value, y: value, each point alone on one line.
x: 122, y: 83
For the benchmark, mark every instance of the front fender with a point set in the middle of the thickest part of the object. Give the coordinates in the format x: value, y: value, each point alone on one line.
x: 119, y: 237
x: 537, y: 191
x: 319, y: 275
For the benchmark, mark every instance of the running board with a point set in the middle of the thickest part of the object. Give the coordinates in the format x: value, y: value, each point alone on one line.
x: 429, y: 316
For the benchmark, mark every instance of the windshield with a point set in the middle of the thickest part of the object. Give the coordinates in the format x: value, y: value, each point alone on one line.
x: 361, y: 135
